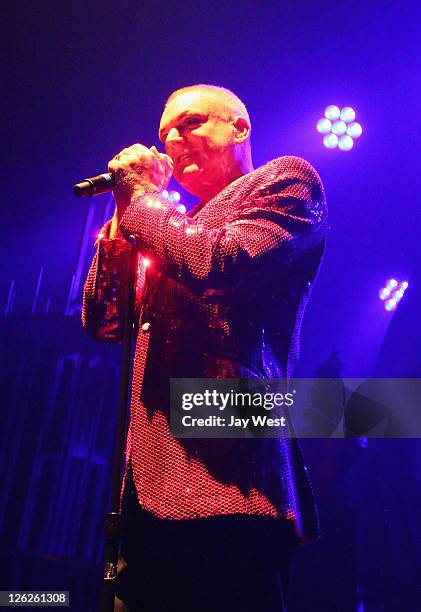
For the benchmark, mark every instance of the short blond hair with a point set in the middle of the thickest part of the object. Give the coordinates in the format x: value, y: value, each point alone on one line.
x: 225, y: 99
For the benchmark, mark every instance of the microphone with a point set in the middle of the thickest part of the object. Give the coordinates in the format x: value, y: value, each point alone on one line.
x: 95, y: 185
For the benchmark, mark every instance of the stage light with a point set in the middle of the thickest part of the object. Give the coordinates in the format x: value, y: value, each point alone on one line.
x: 171, y: 196
x: 332, y: 112
x: 339, y: 127
x: 347, y: 114
x: 324, y: 126
x: 387, y: 289
x: 392, y: 293
x: 345, y: 143
x: 330, y: 141
x: 354, y: 130
x: 174, y: 196
x: 339, y: 122
x: 390, y: 305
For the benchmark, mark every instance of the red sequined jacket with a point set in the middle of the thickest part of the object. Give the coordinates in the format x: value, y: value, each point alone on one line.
x: 223, y: 296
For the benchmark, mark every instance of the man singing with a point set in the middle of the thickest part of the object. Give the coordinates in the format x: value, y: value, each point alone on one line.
x: 208, y: 524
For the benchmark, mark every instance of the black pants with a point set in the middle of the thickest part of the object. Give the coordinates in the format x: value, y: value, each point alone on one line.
x: 235, y: 563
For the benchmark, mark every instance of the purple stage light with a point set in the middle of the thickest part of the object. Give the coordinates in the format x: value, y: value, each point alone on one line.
x: 332, y: 112
x: 345, y: 143
x: 392, y: 293
x: 324, y: 126
x: 174, y: 196
x: 339, y: 127
x: 384, y: 293
x: 347, y: 114
x: 330, y: 141
x: 354, y: 130
x: 390, y: 305
x: 387, y: 289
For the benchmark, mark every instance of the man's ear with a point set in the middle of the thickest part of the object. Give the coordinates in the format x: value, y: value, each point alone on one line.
x: 242, y: 129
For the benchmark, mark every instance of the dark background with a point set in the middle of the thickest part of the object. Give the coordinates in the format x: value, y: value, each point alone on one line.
x: 85, y: 79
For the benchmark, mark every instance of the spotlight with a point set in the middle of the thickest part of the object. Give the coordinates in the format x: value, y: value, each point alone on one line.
x: 345, y: 143
x: 171, y: 196
x: 347, y: 114
x: 392, y: 293
x: 330, y: 141
x: 174, y: 196
x: 354, y: 130
x: 324, y: 126
x: 339, y: 127
x: 332, y: 112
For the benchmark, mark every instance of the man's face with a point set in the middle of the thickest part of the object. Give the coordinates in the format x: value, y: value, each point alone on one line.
x: 200, y: 140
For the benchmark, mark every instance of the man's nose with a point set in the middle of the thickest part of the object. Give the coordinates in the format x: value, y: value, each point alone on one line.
x: 173, y: 136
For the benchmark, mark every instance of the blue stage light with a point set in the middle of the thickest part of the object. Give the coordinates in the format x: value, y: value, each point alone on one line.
x: 324, y: 126
x: 174, y: 196
x: 347, y: 114
x: 354, y: 130
x: 339, y: 127
x: 339, y: 122
x: 390, y: 305
x: 332, y: 112
x: 345, y: 143
x: 330, y: 141
x: 181, y: 208
x: 392, y: 293
x: 384, y: 293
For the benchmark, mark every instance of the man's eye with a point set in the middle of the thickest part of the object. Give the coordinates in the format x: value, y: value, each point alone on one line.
x: 192, y: 121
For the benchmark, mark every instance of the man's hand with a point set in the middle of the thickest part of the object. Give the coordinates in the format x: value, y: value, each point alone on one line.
x: 138, y: 169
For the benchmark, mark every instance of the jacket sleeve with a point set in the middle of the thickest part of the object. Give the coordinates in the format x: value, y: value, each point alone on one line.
x: 105, y: 294
x: 281, y: 217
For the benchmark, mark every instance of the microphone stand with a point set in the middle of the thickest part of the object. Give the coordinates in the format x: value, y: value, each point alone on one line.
x: 113, y: 518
